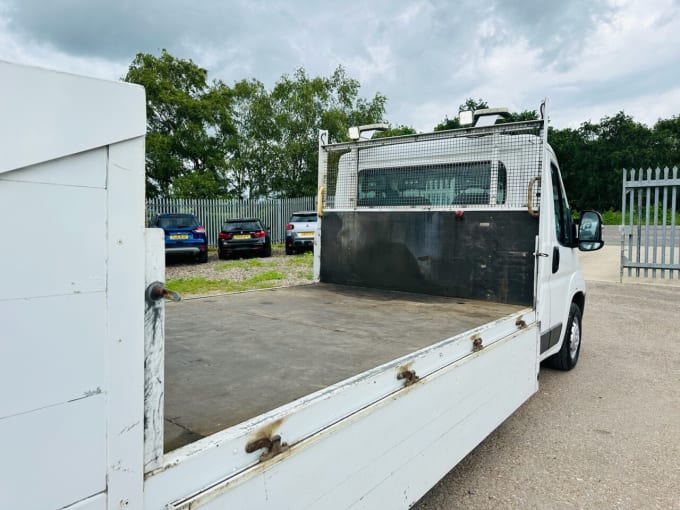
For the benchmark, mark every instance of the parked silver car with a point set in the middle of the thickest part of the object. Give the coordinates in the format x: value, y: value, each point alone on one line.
x: 300, y: 232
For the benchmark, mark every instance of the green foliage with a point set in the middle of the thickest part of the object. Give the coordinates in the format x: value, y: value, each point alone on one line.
x: 211, y: 140
x: 469, y: 105
x: 302, y: 105
x: 182, y: 134
x: 395, y: 131
x: 592, y: 157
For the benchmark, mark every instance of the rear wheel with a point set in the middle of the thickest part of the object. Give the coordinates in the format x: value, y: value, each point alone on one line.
x: 222, y: 256
x: 267, y: 251
x: 203, y: 257
x: 567, y: 357
x: 289, y: 250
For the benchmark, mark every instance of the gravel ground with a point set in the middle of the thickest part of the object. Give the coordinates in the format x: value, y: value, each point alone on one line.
x: 297, y: 269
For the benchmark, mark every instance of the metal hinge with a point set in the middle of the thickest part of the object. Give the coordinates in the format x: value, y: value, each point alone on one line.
x: 273, y: 444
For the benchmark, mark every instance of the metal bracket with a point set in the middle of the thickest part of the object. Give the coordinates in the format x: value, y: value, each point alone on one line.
x: 409, y: 377
x: 273, y: 444
x: 477, y: 343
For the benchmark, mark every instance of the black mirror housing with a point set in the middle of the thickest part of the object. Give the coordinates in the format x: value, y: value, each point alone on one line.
x: 590, y: 231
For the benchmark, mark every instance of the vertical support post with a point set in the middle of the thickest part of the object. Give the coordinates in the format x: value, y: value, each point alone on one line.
x: 154, y: 351
x: 321, y: 199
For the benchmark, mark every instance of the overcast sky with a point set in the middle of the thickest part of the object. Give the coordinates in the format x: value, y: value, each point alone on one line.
x: 591, y: 58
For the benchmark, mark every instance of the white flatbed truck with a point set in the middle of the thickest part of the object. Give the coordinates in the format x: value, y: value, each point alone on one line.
x: 445, y: 272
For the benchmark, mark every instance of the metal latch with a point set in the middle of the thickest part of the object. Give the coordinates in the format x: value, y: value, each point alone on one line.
x: 273, y: 444
x: 156, y: 291
x: 408, y: 376
x: 477, y: 343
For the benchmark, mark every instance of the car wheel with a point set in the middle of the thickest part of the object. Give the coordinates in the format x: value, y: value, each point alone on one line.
x: 267, y: 251
x: 203, y: 257
x: 567, y: 357
x: 221, y: 255
x: 289, y: 250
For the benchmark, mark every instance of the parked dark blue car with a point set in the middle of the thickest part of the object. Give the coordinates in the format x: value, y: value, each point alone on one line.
x: 184, y: 235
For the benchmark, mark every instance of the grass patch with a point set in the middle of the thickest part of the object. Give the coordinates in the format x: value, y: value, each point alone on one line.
x: 241, y: 264
x: 200, y: 285
x: 303, y: 260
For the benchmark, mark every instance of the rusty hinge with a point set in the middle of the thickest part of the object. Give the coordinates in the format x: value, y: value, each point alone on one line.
x: 477, y: 343
x: 273, y: 445
x: 409, y: 377
x: 520, y: 323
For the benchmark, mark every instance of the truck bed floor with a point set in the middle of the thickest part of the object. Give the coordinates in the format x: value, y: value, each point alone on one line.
x: 232, y: 357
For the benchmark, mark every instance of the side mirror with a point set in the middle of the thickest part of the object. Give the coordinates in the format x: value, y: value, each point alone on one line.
x: 590, y: 231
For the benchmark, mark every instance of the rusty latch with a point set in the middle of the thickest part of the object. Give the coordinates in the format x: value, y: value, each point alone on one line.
x: 477, y: 343
x: 520, y: 323
x: 409, y: 377
x: 156, y: 291
x: 273, y: 445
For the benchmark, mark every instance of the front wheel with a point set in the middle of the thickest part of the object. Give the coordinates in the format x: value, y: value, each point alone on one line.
x: 567, y: 357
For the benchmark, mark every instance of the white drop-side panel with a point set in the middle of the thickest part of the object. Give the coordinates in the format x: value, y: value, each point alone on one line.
x: 86, y: 169
x: 48, y: 115
x: 97, y: 502
x: 389, y: 454
x: 57, y: 244
x: 53, y: 457
x: 125, y: 336
x: 52, y: 350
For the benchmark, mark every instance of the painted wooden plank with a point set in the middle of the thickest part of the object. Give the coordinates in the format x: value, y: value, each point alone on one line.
x: 54, y: 457
x: 154, y: 350
x: 125, y: 336
x: 61, y: 242
x: 52, y: 350
x: 388, y: 454
x: 88, y: 113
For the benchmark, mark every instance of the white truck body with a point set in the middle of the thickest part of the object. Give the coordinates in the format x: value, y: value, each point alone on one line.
x: 81, y: 413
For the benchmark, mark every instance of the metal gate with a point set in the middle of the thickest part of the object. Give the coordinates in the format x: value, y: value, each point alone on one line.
x: 650, y: 233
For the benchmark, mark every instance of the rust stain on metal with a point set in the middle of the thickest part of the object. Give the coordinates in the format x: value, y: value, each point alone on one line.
x: 273, y: 446
x: 265, y: 438
x: 521, y: 323
x: 476, y: 343
x: 408, y: 376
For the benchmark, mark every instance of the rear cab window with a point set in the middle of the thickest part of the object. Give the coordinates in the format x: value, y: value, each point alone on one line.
x: 303, y: 218
x: 433, y: 185
x: 185, y: 221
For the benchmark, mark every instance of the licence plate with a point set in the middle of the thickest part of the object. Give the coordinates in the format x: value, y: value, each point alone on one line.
x: 174, y: 237
x: 242, y: 236
x: 306, y: 234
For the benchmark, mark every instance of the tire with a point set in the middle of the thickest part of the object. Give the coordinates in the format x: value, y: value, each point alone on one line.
x: 289, y: 250
x: 567, y: 357
x: 267, y: 251
x: 203, y: 257
x: 222, y: 256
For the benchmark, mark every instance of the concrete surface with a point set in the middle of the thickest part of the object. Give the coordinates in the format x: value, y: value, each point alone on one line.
x: 603, y: 436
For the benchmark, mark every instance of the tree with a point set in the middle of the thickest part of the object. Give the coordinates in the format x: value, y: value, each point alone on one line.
x: 395, y: 131
x: 252, y: 155
x: 182, y: 113
x: 469, y: 105
x: 593, y: 157
x: 303, y: 105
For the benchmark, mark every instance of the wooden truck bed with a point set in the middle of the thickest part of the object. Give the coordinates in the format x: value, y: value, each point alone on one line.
x: 232, y: 357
